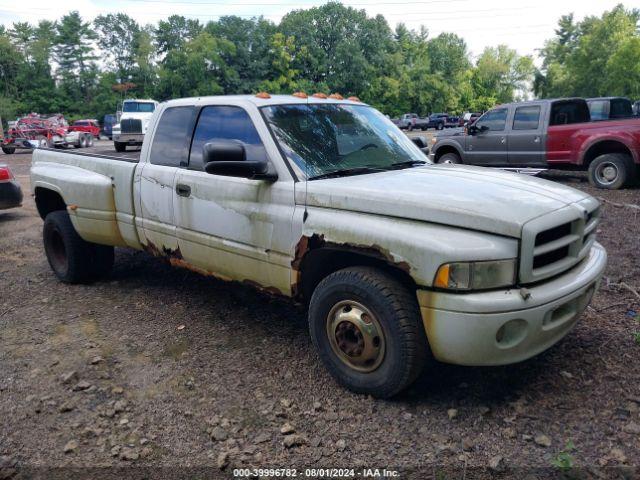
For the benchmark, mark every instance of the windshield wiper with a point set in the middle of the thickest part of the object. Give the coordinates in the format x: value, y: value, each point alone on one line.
x: 345, y: 172
x: 409, y: 163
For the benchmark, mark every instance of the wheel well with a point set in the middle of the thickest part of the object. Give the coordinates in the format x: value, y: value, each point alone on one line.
x: 444, y: 150
x: 321, y: 262
x: 602, y: 148
x: 48, y: 201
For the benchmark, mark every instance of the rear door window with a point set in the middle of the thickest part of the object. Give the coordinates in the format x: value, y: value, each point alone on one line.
x: 172, y: 137
x: 495, y: 120
x: 225, y: 123
x: 527, y: 118
x: 567, y: 112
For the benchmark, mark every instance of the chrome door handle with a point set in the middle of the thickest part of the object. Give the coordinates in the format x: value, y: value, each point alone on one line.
x: 183, y: 190
x: 503, y: 140
x: 536, y: 140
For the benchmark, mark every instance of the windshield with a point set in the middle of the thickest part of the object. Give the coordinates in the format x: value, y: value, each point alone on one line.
x: 323, y: 138
x: 138, y: 107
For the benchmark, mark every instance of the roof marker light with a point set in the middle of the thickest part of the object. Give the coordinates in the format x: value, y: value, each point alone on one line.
x: 319, y: 95
x: 264, y: 95
x: 354, y: 99
x: 300, y: 95
x: 336, y: 96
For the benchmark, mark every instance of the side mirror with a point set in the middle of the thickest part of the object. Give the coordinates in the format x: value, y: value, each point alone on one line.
x: 229, y: 158
x: 420, y: 142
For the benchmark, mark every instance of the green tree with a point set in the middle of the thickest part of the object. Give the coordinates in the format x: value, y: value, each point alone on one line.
x: 74, y: 54
x: 117, y: 37
x: 173, y: 33
x: 251, y: 58
x: 196, y: 69
x: 595, y: 57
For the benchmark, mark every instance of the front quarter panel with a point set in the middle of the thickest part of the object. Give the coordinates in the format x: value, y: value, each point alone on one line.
x: 418, y: 248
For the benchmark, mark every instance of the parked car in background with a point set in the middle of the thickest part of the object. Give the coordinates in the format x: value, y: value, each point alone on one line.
x: 609, y: 108
x: 468, y: 118
x: 400, y: 262
x: 108, y: 121
x: 89, y: 126
x: 10, y: 191
x: 410, y: 121
x: 548, y: 134
x: 452, y: 122
x: 133, y: 123
x: 437, y: 121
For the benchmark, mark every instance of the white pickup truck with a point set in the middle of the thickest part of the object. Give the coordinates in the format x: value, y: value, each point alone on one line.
x: 324, y: 200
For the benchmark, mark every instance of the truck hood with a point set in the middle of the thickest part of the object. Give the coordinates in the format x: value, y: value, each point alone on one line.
x: 475, y: 198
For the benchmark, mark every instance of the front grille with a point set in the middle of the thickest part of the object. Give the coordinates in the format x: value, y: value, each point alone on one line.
x: 549, y: 250
x: 131, y: 125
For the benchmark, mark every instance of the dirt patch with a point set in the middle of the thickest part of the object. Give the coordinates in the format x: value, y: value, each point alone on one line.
x: 104, y: 373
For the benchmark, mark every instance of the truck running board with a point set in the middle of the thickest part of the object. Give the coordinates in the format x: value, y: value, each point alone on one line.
x: 525, y: 171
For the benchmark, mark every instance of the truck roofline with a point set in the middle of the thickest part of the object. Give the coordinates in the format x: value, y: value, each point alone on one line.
x: 259, y: 102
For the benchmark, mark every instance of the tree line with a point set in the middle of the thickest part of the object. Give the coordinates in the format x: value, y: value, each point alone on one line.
x: 84, y: 68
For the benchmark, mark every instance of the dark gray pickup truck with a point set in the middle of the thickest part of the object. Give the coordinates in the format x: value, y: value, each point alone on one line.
x: 547, y: 134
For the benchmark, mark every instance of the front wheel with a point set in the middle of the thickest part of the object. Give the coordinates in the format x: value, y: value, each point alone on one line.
x: 611, y: 171
x: 368, y: 332
x: 120, y: 147
x: 440, y: 126
x: 9, y: 150
x: 451, y: 158
x: 71, y: 258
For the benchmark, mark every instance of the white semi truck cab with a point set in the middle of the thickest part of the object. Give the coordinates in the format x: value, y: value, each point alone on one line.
x: 131, y: 129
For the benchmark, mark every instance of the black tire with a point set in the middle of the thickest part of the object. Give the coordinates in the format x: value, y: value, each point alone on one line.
x: 120, y: 147
x: 395, y: 311
x: 71, y: 258
x: 9, y: 150
x: 440, y: 126
x: 89, y: 141
x: 450, y: 158
x: 612, y: 171
x: 410, y: 128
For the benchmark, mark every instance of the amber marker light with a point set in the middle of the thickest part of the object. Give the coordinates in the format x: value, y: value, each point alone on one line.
x: 319, y: 95
x: 336, y: 96
x: 442, y: 277
x: 300, y: 95
x: 264, y: 95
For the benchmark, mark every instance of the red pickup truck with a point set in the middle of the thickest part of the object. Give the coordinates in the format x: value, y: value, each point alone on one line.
x: 89, y: 126
x: 547, y: 134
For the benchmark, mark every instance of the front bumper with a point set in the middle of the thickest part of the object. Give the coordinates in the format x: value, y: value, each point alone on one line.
x: 10, y: 195
x: 502, y: 327
x: 129, y: 138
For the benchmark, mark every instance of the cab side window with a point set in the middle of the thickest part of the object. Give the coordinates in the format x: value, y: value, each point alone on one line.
x: 170, y: 145
x: 526, y: 118
x: 495, y: 120
x: 225, y: 123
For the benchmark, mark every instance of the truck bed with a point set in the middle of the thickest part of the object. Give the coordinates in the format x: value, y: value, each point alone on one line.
x: 96, y: 188
x: 102, y: 151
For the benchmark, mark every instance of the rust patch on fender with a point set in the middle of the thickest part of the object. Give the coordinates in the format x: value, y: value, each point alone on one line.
x: 308, y: 243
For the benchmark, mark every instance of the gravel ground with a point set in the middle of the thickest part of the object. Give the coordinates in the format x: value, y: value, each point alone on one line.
x: 162, y: 367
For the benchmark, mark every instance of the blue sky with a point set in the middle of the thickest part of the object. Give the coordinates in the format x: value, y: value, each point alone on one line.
x: 523, y: 25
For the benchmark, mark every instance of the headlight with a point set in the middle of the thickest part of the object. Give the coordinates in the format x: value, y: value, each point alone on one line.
x: 476, y: 275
